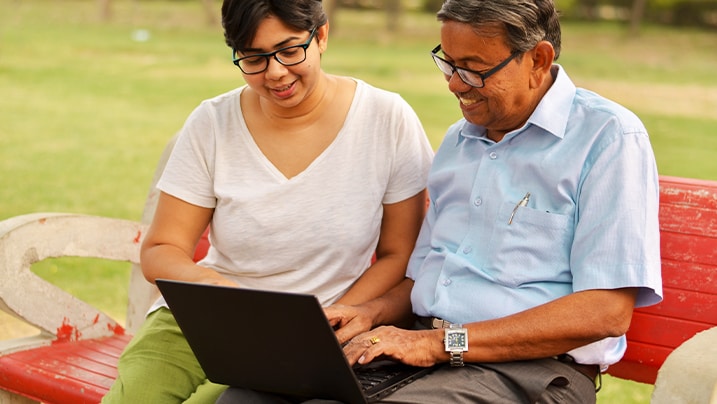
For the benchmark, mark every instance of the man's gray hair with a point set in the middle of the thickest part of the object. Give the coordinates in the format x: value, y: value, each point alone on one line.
x: 526, y: 22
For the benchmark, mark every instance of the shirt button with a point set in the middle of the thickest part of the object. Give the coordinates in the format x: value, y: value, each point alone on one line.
x: 478, y: 202
x: 467, y: 250
x: 493, y: 155
x: 446, y: 282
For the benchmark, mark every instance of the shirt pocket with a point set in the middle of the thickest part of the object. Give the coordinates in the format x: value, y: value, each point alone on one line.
x: 533, y: 247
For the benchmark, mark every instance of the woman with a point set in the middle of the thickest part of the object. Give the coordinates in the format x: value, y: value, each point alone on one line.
x: 303, y: 177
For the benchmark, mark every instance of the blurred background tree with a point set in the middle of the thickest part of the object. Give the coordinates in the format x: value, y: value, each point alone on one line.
x: 686, y: 13
x: 693, y: 13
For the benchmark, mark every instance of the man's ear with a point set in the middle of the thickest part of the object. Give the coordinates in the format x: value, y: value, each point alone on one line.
x: 542, y: 56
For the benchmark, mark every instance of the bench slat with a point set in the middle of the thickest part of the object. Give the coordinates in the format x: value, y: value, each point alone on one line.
x: 689, y: 276
x: 86, y: 369
x: 661, y: 331
x: 688, y: 191
x: 688, y: 248
x: 689, y: 220
x: 687, y: 305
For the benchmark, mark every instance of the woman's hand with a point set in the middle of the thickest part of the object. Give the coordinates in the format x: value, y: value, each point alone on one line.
x: 348, y: 321
x: 392, y: 308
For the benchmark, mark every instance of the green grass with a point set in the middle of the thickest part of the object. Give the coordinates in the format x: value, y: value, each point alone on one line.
x: 85, y: 110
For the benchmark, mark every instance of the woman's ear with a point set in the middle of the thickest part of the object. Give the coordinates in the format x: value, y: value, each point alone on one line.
x: 322, y: 33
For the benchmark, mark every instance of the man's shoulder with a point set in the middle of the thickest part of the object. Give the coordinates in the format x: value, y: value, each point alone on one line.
x: 601, y: 112
x: 598, y: 104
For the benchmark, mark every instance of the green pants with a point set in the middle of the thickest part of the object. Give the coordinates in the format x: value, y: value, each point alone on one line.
x: 158, y: 367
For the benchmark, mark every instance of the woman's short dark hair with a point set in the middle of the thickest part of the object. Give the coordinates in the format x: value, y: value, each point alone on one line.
x: 241, y: 18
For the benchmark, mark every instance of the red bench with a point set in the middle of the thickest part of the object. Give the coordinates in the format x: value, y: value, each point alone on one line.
x: 74, y: 358
x: 688, y: 239
x: 77, y: 362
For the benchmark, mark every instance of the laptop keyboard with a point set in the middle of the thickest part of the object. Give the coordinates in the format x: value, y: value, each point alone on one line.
x: 371, y: 377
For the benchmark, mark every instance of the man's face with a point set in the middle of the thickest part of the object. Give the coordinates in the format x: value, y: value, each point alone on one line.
x: 506, y: 100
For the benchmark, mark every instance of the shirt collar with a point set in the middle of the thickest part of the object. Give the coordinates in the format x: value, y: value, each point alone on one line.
x: 553, y: 111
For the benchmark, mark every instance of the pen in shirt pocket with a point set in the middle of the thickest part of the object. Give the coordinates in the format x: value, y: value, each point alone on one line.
x: 523, y: 202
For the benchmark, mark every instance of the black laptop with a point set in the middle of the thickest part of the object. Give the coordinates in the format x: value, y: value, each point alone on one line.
x: 275, y: 342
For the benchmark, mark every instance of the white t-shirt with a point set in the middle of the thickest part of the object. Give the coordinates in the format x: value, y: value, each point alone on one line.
x: 316, y: 232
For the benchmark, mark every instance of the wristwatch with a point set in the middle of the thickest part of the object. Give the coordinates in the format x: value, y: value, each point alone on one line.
x: 456, y: 340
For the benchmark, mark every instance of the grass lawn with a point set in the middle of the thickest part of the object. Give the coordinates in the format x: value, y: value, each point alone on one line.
x: 86, y: 107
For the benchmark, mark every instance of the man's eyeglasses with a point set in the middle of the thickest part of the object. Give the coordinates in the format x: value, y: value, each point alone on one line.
x: 289, y: 56
x: 470, y: 77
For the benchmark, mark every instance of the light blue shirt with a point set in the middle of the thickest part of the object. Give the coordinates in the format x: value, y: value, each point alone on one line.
x: 590, y: 221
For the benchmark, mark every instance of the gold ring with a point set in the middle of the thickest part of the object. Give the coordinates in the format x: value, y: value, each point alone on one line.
x: 375, y: 340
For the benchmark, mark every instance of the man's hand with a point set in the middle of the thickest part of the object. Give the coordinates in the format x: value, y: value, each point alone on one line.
x: 413, y: 347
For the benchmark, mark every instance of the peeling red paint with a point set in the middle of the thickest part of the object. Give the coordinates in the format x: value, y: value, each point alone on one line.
x: 116, y: 329
x: 67, y: 332
x: 43, y: 220
x: 139, y: 235
x: 96, y: 319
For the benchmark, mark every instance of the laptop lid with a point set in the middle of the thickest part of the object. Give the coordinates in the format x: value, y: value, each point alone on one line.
x: 269, y: 341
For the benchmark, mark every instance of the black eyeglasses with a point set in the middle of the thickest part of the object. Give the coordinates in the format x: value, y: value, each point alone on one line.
x: 289, y: 56
x: 470, y: 77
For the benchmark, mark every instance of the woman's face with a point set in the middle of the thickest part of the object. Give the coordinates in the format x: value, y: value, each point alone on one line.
x: 285, y: 86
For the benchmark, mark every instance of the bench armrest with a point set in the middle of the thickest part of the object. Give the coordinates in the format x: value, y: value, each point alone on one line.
x: 60, y: 316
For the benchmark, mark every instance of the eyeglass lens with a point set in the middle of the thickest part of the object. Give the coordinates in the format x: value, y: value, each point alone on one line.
x: 289, y: 56
x: 468, y: 77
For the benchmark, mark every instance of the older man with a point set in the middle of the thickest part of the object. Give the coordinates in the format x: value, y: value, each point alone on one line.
x: 542, y: 232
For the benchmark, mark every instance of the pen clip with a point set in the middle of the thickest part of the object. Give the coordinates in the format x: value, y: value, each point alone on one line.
x: 523, y: 202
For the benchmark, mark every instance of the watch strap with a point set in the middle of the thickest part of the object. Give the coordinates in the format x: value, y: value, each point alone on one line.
x: 457, y: 359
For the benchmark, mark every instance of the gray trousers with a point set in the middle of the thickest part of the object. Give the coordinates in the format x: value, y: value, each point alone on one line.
x: 537, y: 381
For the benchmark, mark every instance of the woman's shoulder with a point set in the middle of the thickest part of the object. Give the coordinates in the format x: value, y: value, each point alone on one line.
x: 376, y: 97
x: 372, y: 89
x: 222, y: 105
x: 228, y: 98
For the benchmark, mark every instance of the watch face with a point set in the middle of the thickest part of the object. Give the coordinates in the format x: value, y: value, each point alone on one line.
x: 457, y: 339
